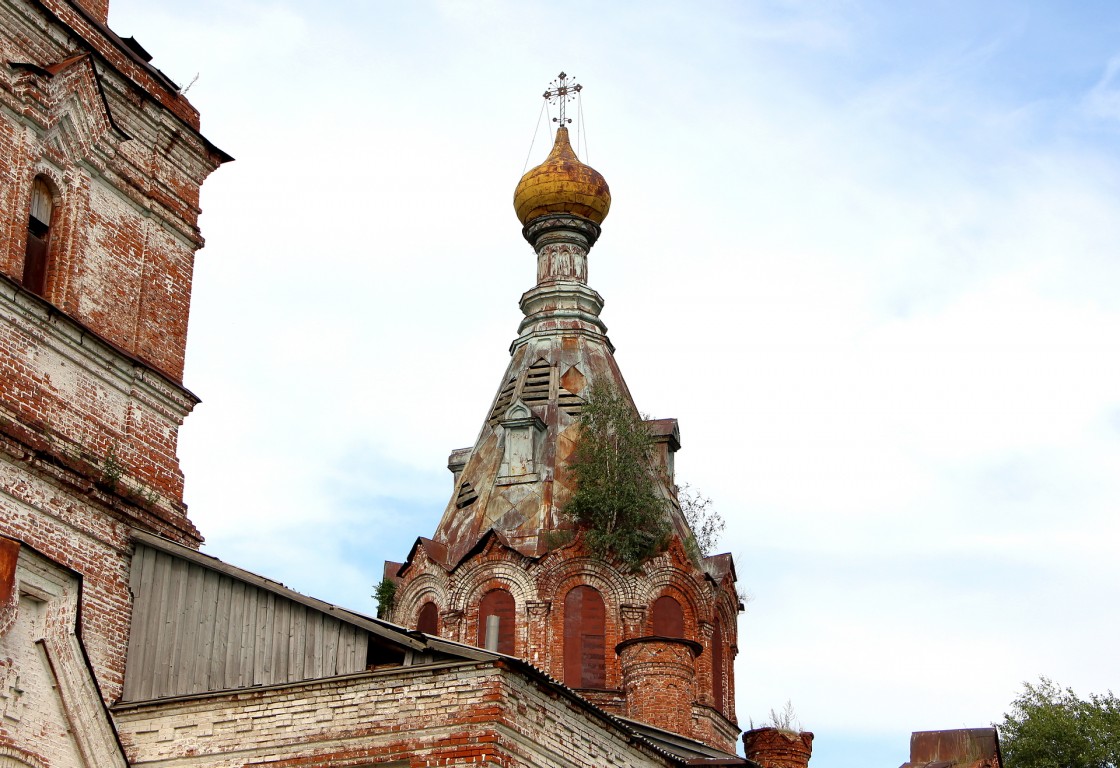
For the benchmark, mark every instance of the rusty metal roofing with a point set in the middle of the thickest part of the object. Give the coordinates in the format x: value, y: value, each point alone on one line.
x: 959, y: 748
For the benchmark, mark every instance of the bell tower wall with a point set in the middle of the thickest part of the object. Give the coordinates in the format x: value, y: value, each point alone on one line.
x: 101, y: 162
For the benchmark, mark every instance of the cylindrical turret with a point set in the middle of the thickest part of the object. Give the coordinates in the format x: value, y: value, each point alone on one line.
x: 778, y: 748
x: 659, y: 680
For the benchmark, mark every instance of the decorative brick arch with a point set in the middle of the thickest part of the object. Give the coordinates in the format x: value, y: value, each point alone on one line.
x: 608, y: 585
x: 13, y: 757
x: 470, y: 586
x: 479, y: 576
x: 686, y: 590
x: 428, y: 587
x: 662, y: 577
x: 56, y: 251
x: 52, y: 175
x: 555, y: 577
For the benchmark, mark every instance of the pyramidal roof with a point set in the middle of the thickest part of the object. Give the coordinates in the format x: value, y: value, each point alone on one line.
x: 513, y: 480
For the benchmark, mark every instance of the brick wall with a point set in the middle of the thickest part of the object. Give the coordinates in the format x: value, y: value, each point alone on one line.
x: 457, y: 714
x: 669, y: 695
x: 776, y: 748
x: 50, y: 708
x: 91, y: 398
x: 659, y: 682
x: 121, y: 149
x: 39, y: 511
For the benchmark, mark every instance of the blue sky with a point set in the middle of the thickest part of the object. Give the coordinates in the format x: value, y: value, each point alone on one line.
x: 865, y: 252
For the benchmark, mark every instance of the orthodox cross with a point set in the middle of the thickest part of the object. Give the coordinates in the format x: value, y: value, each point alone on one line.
x: 561, y: 93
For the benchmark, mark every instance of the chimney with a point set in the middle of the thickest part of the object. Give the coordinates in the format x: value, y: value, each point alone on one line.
x: 963, y: 748
x: 777, y: 748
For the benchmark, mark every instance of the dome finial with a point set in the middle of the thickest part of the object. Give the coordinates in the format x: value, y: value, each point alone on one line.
x: 561, y: 93
x: 562, y: 184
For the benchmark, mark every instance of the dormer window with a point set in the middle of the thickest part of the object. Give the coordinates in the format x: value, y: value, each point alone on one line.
x: 38, y: 237
x: 522, y: 438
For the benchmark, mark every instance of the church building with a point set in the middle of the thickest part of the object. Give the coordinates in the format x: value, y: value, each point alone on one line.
x: 509, y: 641
x: 507, y: 569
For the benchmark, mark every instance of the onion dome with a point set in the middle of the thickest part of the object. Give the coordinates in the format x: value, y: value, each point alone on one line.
x: 562, y: 184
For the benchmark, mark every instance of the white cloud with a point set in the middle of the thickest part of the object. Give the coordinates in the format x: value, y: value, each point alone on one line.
x: 1103, y: 100
x: 873, y: 280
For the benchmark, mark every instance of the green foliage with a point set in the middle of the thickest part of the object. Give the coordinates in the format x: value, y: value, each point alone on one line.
x: 616, y: 498
x: 385, y: 593
x: 557, y: 538
x: 111, y: 469
x: 1052, y: 727
x: 706, y: 523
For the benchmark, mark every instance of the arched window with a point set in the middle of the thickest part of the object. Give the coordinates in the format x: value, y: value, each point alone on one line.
x: 585, y: 619
x: 497, y: 621
x: 38, y: 237
x: 717, y: 665
x: 668, y: 619
x: 427, y: 620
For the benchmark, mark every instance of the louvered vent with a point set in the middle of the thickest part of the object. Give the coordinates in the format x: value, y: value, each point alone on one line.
x: 570, y: 403
x: 467, y: 495
x: 537, y: 383
x: 505, y: 397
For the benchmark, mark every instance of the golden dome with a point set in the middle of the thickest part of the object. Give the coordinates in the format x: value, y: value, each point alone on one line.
x: 562, y: 184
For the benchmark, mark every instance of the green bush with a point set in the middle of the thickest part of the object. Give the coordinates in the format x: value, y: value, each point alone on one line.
x: 1052, y: 727
x: 385, y: 593
x: 616, y: 500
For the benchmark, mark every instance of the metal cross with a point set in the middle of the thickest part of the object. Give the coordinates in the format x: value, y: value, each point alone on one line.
x: 561, y: 93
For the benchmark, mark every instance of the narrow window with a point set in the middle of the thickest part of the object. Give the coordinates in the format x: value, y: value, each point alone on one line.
x: 496, y: 617
x: 717, y: 665
x: 38, y: 237
x: 668, y: 619
x: 584, y: 639
x: 427, y: 620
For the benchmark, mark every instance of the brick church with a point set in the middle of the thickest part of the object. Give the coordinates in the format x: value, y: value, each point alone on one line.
x: 508, y: 641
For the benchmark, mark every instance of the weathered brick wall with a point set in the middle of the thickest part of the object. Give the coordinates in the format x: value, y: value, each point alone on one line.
x: 659, y: 676
x: 459, y: 714
x: 121, y: 148
x: 776, y: 748
x: 90, y: 407
x: 63, y: 13
x: 87, y: 451
x: 539, y: 587
x: 99, y: 9
x: 51, y: 712
x: 39, y: 511
x: 90, y: 393
x: 34, y: 725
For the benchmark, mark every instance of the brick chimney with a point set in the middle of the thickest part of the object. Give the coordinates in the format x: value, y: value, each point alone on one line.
x: 961, y: 748
x: 776, y: 748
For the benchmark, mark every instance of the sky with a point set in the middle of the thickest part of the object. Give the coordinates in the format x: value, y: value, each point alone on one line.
x: 866, y: 252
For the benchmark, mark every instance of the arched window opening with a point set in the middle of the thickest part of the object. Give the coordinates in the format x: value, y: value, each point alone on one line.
x: 717, y: 666
x: 38, y: 237
x: 585, y: 620
x: 427, y: 620
x: 668, y: 619
x: 496, y: 621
